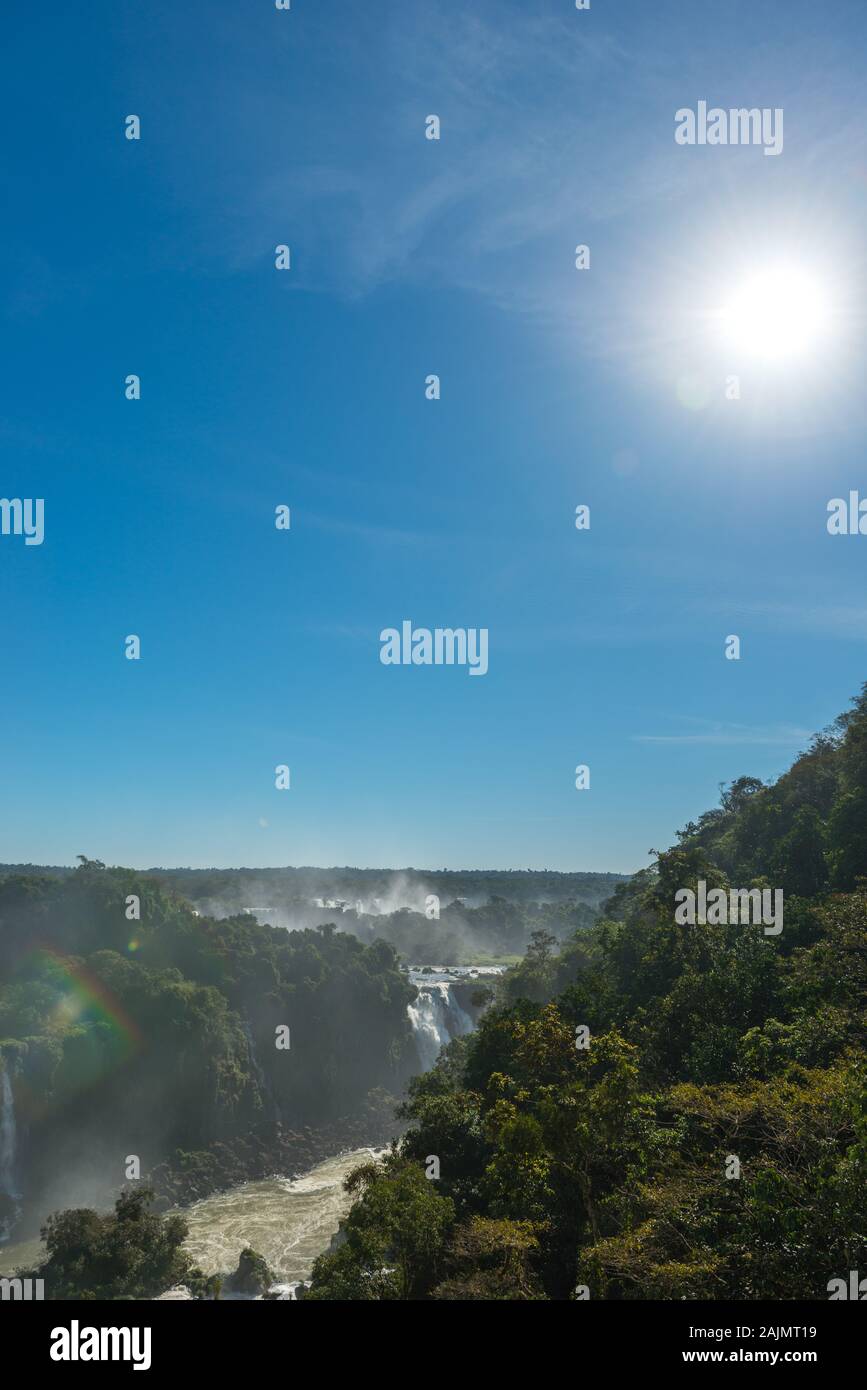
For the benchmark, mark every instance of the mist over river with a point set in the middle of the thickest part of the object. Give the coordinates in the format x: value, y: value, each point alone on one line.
x: 288, y: 1221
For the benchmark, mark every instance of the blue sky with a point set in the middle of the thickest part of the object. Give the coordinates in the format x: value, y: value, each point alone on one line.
x: 306, y: 387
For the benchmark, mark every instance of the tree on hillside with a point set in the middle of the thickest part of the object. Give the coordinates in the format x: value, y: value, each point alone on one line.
x: 130, y: 1253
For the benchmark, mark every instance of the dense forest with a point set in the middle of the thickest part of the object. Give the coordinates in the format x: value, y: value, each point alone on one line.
x: 707, y: 1138
x: 130, y: 1026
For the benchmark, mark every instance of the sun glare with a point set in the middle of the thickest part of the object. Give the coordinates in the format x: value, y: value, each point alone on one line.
x: 776, y: 315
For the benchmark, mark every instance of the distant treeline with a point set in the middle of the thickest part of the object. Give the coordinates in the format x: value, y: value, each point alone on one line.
x: 350, y: 885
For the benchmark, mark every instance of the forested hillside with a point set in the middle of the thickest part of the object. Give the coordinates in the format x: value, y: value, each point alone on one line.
x: 708, y: 1139
x: 157, y: 1034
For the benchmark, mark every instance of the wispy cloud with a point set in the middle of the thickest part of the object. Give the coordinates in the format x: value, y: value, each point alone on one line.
x: 846, y: 621
x: 525, y: 157
x: 732, y: 734
x: 365, y: 531
x: 540, y: 148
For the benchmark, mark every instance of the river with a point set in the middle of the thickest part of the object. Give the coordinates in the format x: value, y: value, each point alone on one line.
x: 287, y: 1221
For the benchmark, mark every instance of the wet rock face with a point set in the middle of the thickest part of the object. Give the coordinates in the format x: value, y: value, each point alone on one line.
x: 8, y: 1132
x: 268, y: 1150
x: 252, y: 1278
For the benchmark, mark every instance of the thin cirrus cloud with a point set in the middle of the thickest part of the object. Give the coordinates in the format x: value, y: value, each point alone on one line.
x: 540, y: 151
x: 526, y: 153
x: 732, y: 735
x: 835, y: 621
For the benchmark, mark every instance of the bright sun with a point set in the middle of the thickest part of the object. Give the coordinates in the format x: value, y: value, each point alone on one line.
x: 779, y: 314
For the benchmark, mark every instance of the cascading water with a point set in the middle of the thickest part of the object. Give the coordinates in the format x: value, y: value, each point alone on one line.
x: 436, y: 1018
x: 8, y: 1152
x: 261, y: 1079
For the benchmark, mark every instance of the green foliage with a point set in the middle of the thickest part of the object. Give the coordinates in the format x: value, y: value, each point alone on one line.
x: 491, y: 1260
x: 394, y: 1237
x: 130, y: 1253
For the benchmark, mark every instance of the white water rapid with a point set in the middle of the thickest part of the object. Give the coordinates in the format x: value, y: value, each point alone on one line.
x: 289, y: 1221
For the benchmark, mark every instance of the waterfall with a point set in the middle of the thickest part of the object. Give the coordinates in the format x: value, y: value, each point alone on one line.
x: 261, y: 1079
x: 8, y: 1143
x: 436, y: 1018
